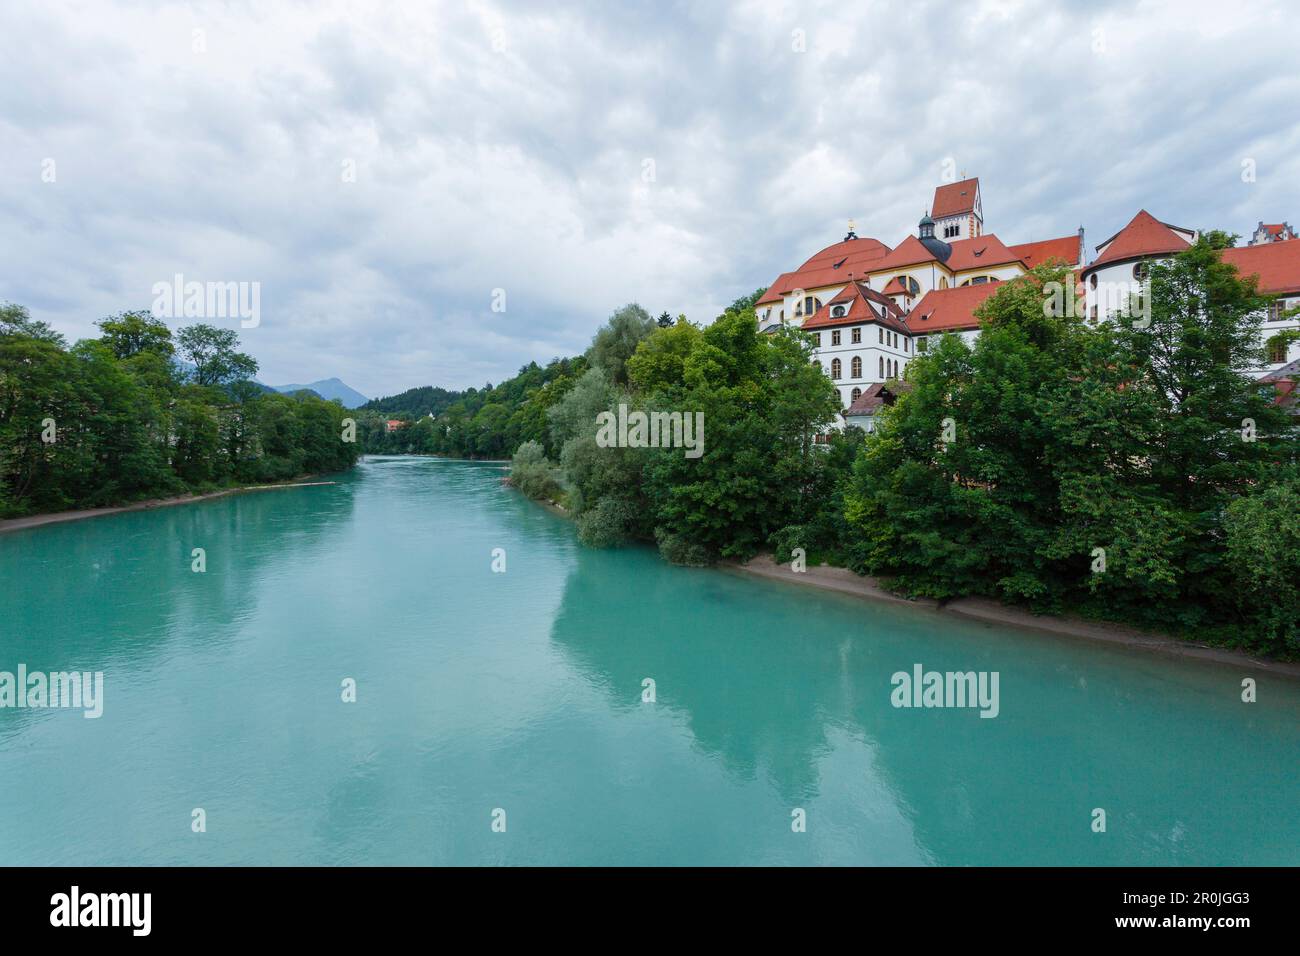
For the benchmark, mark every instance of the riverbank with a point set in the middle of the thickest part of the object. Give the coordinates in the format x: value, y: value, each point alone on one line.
x: 56, y: 517
x: 988, y: 611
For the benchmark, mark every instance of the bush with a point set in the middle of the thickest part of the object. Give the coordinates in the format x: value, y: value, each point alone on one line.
x: 1263, y: 543
x: 608, y: 524
x: 677, y: 549
x: 533, y: 474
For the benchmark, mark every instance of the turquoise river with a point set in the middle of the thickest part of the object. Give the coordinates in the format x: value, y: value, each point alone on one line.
x: 479, y: 691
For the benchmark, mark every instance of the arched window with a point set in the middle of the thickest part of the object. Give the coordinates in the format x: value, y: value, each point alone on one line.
x: 838, y: 311
x: 943, y: 282
x: 1139, y: 271
x: 911, y: 286
x: 835, y: 368
x: 817, y: 364
x: 1276, y: 350
x: 882, y: 367
x: 856, y: 367
x: 857, y: 392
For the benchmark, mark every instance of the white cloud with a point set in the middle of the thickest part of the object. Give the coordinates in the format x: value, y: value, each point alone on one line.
x: 501, y: 145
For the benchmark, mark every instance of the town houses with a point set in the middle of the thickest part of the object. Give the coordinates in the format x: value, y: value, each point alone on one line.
x: 871, y: 308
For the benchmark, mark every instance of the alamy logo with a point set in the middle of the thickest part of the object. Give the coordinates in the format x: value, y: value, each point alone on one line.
x: 208, y: 300
x: 37, y: 689
x: 102, y: 909
x: 922, y: 688
x: 638, y: 429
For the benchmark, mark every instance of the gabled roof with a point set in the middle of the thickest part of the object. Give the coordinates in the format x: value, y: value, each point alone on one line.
x: 1276, y: 263
x: 861, y: 304
x: 895, y: 287
x: 1287, y: 373
x: 955, y: 199
x: 1065, y: 249
x: 1145, y: 235
x: 874, y: 397
x: 949, y: 310
x: 909, y: 252
x: 979, y: 252
x: 832, y: 266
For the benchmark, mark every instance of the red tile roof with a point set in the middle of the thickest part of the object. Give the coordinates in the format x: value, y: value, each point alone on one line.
x: 895, y: 287
x: 1145, y: 235
x: 909, y: 252
x: 858, y: 299
x: 1276, y: 263
x: 874, y: 396
x: 1032, y: 254
x: 949, y: 310
x: 831, y: 266
x: 954, y: 199
x: 980, y: 252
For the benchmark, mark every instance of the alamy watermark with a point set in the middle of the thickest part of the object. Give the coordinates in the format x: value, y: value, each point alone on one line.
x: 637, y: 429
x: 208, y: 300
x: 38, y: 690
x: 922, y: 688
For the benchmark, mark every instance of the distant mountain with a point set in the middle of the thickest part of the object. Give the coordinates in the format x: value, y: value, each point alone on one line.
x: 329, y: 389
x: 415, y: 402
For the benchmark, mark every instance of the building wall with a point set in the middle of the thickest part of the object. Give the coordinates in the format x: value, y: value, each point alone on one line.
x: 1002, y: 273
x: 928, y: 275
x: 1271, y: 328
x: 1115, y: 284
x: 896, y: 348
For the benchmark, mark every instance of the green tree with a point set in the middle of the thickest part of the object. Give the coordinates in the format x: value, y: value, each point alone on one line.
x: 212, y: 352
x: 130, y: 333
x: 617, y: 340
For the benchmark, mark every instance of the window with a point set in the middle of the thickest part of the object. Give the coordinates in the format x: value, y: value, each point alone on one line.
x: 857, y: 392
x: 835, y: 337
x: 817, y: 339
x: 882, y: 367
x: 1139, y: 271
x: 837, y: 311
x: 950, y: 231
x: 921, y: 345
x: 893, y: 339
x: 856, y: 367
x: 1275, y: 310
x: 1092, y: 280
x: 880, y: 334
x: 817, y: 364
x: 943, y: 282
x: 979, y: 280
x: 907, y: 346
x: 856, y: 334
x: 1276, y: 350
x: 1093, y: 317
x: 835, y: 369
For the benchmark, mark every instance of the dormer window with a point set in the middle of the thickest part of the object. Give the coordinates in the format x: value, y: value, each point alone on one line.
x: 837, y: 311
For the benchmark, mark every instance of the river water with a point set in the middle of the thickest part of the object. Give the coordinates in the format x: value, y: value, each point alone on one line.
x: 499, y: 716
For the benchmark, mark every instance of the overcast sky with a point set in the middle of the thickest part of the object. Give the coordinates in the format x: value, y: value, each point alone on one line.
x: 505, y: 146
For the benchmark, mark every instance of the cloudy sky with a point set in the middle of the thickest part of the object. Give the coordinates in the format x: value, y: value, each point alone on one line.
x: 381, y: 168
